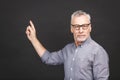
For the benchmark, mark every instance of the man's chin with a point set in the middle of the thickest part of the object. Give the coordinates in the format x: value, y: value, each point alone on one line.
x: 80, y: 39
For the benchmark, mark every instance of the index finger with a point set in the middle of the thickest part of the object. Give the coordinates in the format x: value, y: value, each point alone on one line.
x: 32, y: 25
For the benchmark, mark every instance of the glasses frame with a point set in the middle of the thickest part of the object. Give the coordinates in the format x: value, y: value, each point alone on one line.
x: 83, y: 26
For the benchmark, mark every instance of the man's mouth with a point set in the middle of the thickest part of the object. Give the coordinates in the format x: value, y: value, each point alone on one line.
x: 80, y: 35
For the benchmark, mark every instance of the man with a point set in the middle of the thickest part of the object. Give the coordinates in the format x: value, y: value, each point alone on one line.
x: 84, y: 59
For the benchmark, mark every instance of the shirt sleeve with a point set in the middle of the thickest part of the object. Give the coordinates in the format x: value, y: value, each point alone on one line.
x: 53, y: 58
x: 101, y: 65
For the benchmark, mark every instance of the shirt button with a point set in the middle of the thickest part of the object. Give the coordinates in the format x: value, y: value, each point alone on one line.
x: 73, y: 59
x: 71, y: 69
x: 76, y: 50
x: 70, y: 78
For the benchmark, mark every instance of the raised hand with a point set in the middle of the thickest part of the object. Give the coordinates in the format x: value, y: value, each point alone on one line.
x: 31, y: 32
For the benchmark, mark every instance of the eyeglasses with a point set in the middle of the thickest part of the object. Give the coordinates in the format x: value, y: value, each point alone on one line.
x: 84, y: 26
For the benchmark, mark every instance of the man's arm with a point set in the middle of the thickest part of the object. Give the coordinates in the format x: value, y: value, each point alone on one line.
x: 101, y: 65
x: 31, y: 35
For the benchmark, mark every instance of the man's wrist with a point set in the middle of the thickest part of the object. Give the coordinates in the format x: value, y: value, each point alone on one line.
x: 34, y: 40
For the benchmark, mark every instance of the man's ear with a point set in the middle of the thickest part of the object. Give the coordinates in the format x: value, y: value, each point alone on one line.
x: 90, y: 28
x: 71, y: 30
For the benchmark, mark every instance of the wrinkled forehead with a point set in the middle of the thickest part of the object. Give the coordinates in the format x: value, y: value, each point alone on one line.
x: 80, y: 20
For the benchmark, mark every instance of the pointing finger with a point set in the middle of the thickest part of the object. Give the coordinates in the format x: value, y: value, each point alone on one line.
x: 32, y: 25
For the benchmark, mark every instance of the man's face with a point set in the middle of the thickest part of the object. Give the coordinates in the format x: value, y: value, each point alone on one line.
x: 81, y: 28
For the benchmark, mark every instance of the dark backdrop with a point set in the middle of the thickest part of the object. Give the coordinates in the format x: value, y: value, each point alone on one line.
x: 18, y: 59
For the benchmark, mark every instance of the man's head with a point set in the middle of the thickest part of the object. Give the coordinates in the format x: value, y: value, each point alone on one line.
x: 80, y: 26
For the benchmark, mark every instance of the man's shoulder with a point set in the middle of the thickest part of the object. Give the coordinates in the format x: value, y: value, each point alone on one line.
x: 96, y: 45
x: 69, y: 45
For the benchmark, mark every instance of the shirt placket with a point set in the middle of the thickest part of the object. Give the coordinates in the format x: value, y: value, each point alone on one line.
x: 72, y: 65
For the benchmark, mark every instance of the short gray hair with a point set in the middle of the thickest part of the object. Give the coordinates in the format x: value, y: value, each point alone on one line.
x: 80, y: 13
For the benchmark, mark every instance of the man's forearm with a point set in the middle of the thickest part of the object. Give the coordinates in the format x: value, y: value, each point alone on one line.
x: 38, y: 47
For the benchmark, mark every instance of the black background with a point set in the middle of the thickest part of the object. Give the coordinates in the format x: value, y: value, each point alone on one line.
x: 18, y: 59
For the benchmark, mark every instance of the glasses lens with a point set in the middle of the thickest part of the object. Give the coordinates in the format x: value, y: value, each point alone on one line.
x: 84, y: 26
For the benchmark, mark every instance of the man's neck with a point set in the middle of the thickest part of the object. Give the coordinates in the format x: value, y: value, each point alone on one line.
x: 78, y: 43
x: 81, y: 42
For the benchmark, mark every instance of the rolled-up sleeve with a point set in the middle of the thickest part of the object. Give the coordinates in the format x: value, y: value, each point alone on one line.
x: 101, y: 65
x: 52, y: 58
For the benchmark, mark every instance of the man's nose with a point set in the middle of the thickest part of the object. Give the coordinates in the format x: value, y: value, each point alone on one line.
x: 80, y: 29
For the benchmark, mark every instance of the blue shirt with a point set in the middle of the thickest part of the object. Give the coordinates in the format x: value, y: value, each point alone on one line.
x: 89, y: 61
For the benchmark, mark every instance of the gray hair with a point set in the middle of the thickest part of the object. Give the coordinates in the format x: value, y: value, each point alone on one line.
x: 80, y: 13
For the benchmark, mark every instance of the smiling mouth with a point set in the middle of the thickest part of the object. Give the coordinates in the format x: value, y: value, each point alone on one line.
x: 80, y: 35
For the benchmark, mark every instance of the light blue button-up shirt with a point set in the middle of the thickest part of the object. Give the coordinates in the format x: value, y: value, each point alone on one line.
x: 89, y: 61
